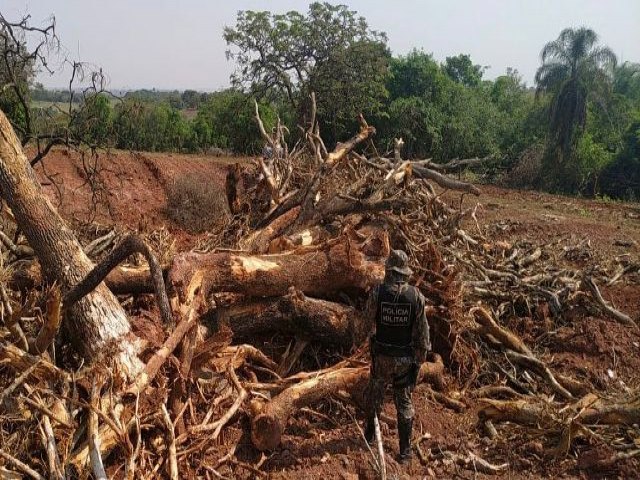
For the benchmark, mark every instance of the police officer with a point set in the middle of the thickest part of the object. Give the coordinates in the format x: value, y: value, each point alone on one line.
x: 398, y: 348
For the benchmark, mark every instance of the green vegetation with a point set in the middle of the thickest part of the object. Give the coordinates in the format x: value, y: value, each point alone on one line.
x: 226, y: 120
x: 575, y: 72
x: 577, y: 131
x: 330, y: 51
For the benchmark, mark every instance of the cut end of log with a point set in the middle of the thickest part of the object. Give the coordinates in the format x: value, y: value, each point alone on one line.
x: 266, y: 432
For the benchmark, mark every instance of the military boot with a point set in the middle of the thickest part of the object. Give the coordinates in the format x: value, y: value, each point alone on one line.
x: 404, y: 434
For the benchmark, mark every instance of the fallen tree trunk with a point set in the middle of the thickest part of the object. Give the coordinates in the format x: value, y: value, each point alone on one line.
x: 122, y: 280
x: 522, y: 412
x: 444, y: 181
x: 267, y: 427
x: 591, y: 411
x: 296, y: 314
x: 98, y: 321
x: 19, y: 360
x: 269, y: 423
x: 346, y: 263
x: 454, y: 165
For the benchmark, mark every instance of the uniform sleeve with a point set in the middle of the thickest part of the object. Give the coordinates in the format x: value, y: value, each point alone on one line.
x: 421, y: 339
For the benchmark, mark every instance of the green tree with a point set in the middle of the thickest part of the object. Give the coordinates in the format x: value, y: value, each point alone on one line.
x: 417, y: 88
x: 94, y: 120
x: 436, y: 116
x: 17, y: 71
x: 470, y: 127
x: 621, y: 178
x: 226, y: 120
x: 462, y: 70
x: 590, y: 160
x: 626, y: 81
x: 574, y: 69
x: 416, y: 75
x: 330, y: 50
x: 520, y: 119
x: 343, y: 91
x: 191, y: 99
x: 418, y: 122
x: 141, y: 125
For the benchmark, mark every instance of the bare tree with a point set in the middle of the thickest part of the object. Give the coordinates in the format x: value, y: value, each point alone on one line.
x: 27, y: 50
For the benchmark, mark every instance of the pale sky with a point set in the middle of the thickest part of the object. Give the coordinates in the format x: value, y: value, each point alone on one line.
x: 177, y: 44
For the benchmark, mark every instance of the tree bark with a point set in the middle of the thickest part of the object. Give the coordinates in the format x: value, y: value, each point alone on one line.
x: 122, y: 280
x: 444, y: 181
x: 98, y: 322
x: 310, y: 318
x: 258, y: 241
x: 268, y: 426
x: 347, y: 263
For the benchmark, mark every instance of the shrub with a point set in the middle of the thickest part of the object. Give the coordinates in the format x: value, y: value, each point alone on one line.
x: 196, y: 206
x: 526, y: 172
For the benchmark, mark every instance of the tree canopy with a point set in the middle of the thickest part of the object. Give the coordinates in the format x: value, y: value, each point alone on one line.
x: 462, y: 70
x: 574, y: 68
x: 330, y: 50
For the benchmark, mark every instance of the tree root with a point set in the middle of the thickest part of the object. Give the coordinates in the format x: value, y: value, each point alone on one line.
x: 612, y: 312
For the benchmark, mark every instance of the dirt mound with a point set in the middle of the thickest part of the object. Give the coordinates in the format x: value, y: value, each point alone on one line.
x: 122, y: 188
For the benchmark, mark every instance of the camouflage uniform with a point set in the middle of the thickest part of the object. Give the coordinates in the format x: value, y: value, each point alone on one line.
x: 400, y: 345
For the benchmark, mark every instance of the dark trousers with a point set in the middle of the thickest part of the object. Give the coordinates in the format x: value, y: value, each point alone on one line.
x: 387, y: 371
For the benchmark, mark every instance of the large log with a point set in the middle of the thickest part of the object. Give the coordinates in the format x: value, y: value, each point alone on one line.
x: 269, y: 423
x: 122, y: 280
x: 97, y: 322
x: 606, y: 411
x: 267, y: 427
x: 296, y: 314
x: 589, y: 410
x: 350, y: 262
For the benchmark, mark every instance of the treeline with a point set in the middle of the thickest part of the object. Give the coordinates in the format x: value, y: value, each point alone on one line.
x: 149, y: 121
x: 576, y: 130
x: 437, y: 116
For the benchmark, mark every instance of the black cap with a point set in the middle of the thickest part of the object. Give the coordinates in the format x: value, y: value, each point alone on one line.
x: 398, y: 261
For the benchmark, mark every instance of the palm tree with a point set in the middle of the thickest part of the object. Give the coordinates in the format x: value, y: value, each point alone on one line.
x: 574, y: 68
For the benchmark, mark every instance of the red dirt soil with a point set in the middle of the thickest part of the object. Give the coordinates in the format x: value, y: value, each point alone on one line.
x: 130, y: 187
x: 133, y: 195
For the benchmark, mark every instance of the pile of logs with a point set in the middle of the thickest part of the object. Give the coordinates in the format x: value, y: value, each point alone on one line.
x: 92, y: 385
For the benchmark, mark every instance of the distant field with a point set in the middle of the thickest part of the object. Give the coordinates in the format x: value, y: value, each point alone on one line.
x: 64, y: 106
x: 187, y: 113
